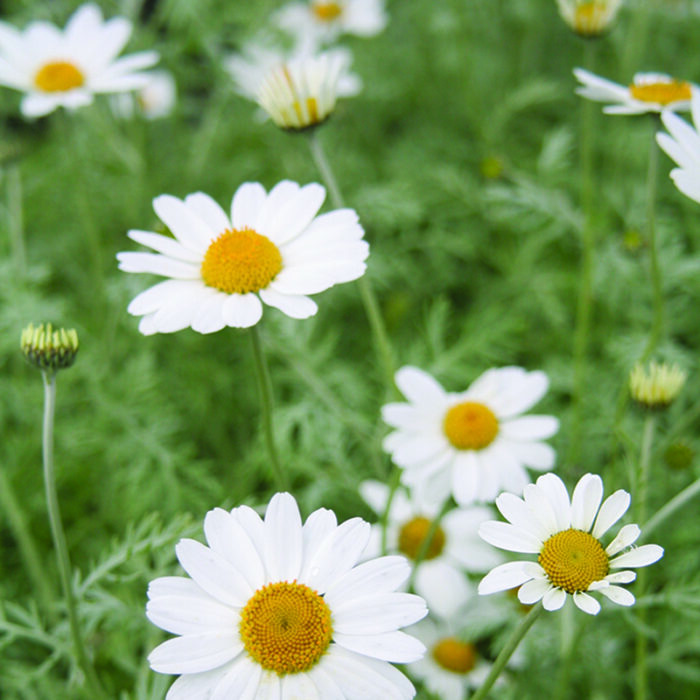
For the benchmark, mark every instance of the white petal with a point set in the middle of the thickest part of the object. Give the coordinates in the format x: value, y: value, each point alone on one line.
x: 209, y: 211
x: 554, y: 599
x: 240, y: 681
x: 319, y: 526
x: 397, y: 647
x: 444, y: 588
x: 195, y: 686
x: 294, y: 215
x: 503, y: 577
x: 618, y: 595
x: 506, y: 536
x: 621, y: 577
x: 188, y: 615
x: 196, y: 653
x: 283, y: 538
x: 627, y: 536
x: 587, y: 603
x: 558, y: 498
x: 188, y: 228
x: 246, y: 205
x: 420, y: 388
x: 166, y: 245
x: 516, y: 511
x: 585, y: 501
x: 241, y: 310
x: 380, y: 575
x: 278, y: 197
x: 325, y: 684
x: 297, y: 685
x: 208, y: 317
x: 292, y: 306
x: 164, y: 293
x: 530, y: 428
x: 536, y: 455
x: 540, y: 507
x: 466, y: 478
x: 613, y: 508
x: 639, y: 556
x: 533, y: 591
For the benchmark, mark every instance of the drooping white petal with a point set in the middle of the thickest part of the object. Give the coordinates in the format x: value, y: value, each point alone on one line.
x: 294, y: 306
x: 503, y: 577
x: 618, y: 595
x: 241, y: 310
x: 627, y: 536
x: 533, y: 591
x: 587, y: 603
x: 554, y: 599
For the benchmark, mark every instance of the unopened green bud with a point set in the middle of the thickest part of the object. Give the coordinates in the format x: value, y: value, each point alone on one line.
x: 49, y: 349
x: 657, y: 385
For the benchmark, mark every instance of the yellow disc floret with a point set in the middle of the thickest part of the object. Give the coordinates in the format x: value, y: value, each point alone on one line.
x: 286, y: 627
x: 412, y: 538
x: 241, y: 261
x: 470, y: 426
x: 58, y: 76
x: 573, y: 560
x: 662, y: 93
x: 327, y: 11
x: 454, y: 655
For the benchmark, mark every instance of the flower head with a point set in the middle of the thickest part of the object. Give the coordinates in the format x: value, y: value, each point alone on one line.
x: 49, y: 349
x: 283, y: 608
x: 314, y: 23
x: 657, y: 385
x: 682, y: 144
x: 472, y: 444
x: 66, y: 68
x: 272, y: 249
x: 589, y: 18
x: 455, y: 547
x: 566, y: 536
x: 649, y: 92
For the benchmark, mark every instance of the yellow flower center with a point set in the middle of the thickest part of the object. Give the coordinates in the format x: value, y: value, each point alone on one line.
x: 470, y: 426
x: 412, y: 539
x: 327, y: 11
x: 663, y: 93
x: 454, y: 655
x: 59, y: 76
x: 238, y: 262
x: 573, y: 560
x: 286, y: 627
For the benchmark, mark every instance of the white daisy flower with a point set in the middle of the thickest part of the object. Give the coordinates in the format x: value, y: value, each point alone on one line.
x: 67, y: 68
x: 683, y: 146
x: 455, y: 548
x: 273, y: 249
x: 473, y: 444
x: 296, y: 91
x: 589, y: 18
x: 279, y: 609
x: 566, y: 537
x: 155, y: 100
x: 315, y: 23
x: 649, y: 92
x: 452, y: 667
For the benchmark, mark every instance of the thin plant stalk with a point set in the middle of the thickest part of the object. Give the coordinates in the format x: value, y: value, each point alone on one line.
x: 427, y: 541
x: 59, y: 538
x: 369, y: 300
x: 394, y: 481
x: 266, y: 408
x: 667, y: 510
x: 15, y: 217
x: 510, y: 646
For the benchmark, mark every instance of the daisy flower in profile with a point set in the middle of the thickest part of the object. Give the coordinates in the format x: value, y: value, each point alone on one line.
x: 314, y: 23
x: 455, y: 547
x: 682, y: 144
x: 273, y: 249
x: 589, y: 18
x: 472, y: 444
x: 649, y: 92
x: 67, y: 68
x: 566, y: 536
x: 278, y: 609
x: 297, y: 92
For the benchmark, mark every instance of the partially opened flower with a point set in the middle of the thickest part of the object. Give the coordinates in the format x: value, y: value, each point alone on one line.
x: 682, y: 144
x: 589, y: 18
x: 656, y: 385
x: 67, y: 68
x: 279, y: 609
x: 649, y: 92
x: 472, y: 444
x: 273, y: 249
x: 314, y: 23
x: 455, y: 547
x: 566, y: 536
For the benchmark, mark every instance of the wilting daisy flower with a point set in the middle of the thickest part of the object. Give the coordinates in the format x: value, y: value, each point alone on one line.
x: 297, y: 92
x: 451, y: 666
x: 455, y: 547
x: 273, y: 249
x: 66, y: 68
x: 473, y: 444
x: 589, y: 18
x: 566, y: 536
x: 683, y: 146
x: 155, y: 100
x: 649, y: 92
x: 657, y: 385
x: 317, y: 22
x: 277, y: 609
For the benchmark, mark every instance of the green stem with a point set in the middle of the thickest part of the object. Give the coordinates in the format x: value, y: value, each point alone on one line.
x: 369, y: 300
x: 15, y: 218
x: 511, y: 645
x: 666, y: 511
x: 266, y: 407
x: 394, y: 481
x: 427, y: 541
x: 59, y: 538
x: 654, y: 268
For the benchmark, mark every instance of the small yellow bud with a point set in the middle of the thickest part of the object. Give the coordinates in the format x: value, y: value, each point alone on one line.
x: 49, y: 349
x: 589, y: 18
x: 657, y: 385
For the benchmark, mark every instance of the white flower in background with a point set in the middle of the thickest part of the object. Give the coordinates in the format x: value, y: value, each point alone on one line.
x: 315, y: 23
x: 155, y: 100
x: 278, y: 609
x: 472, y: 444
x: 67, y: 68
x: 451, y: 666
x: 566, y: 537
x: 455, y: 548
x: 272, y: 249
x: 296, y: 91
x: 649, y: 92
x: 683, y: 146
x: 589, y: 18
